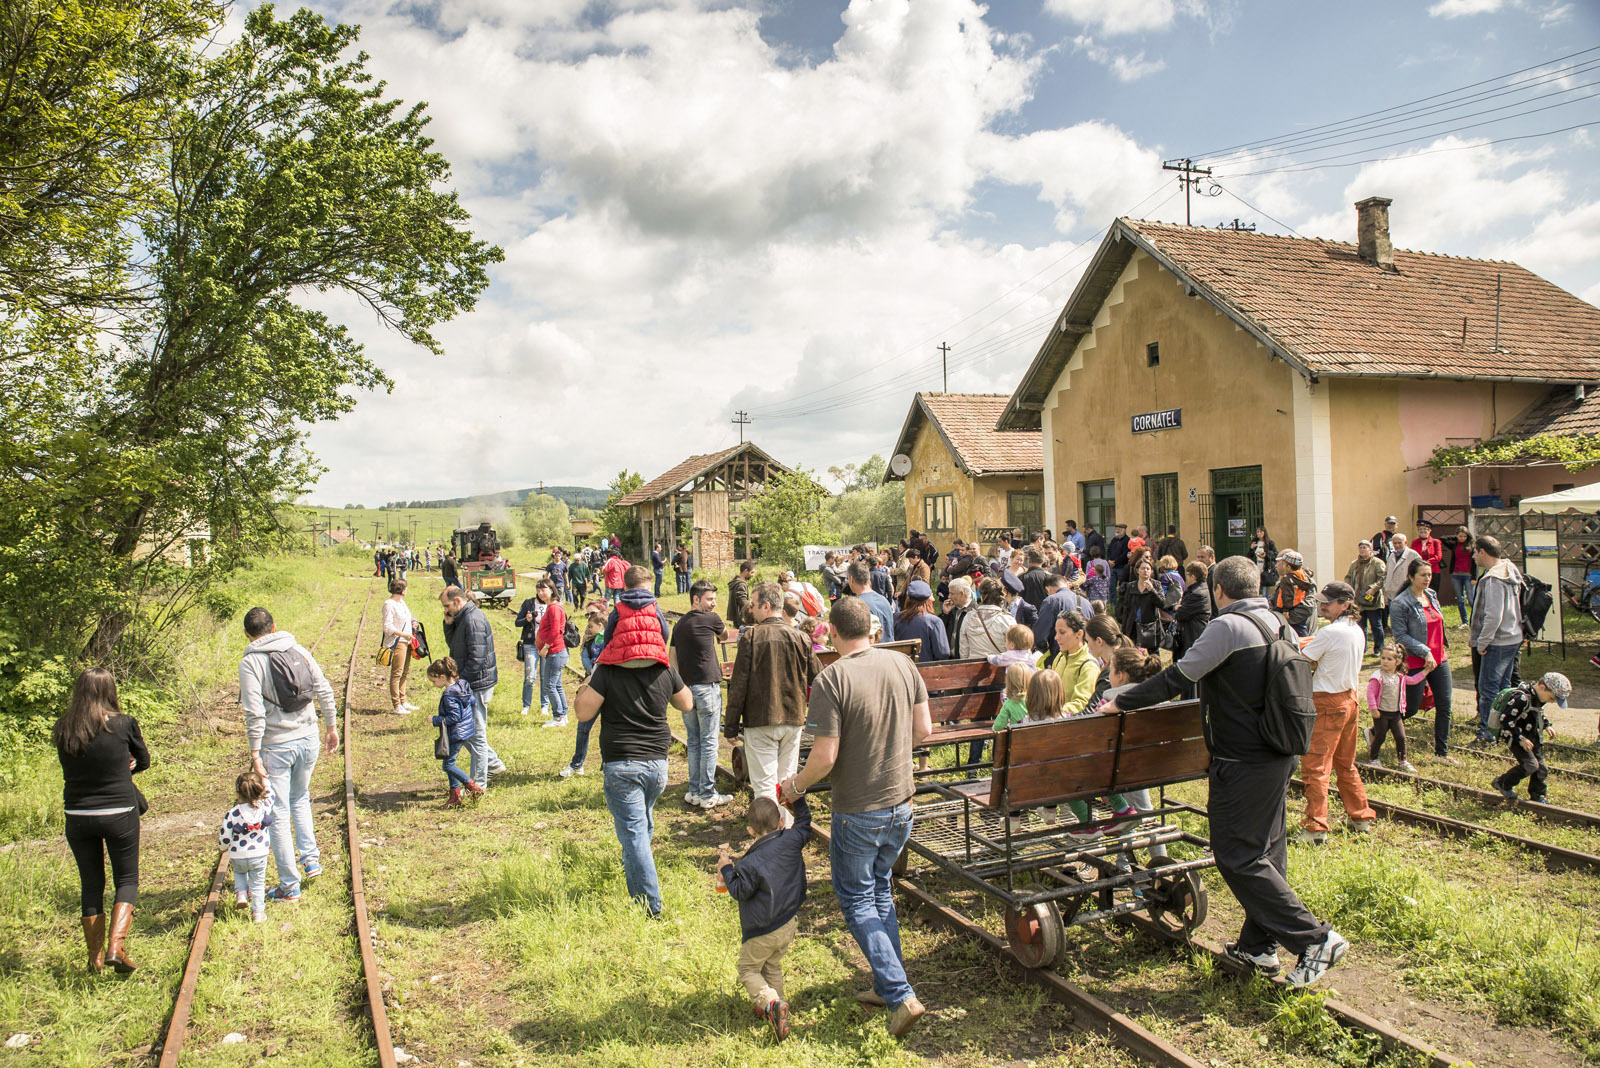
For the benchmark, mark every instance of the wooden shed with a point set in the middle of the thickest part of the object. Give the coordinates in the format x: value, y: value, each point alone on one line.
x: 701, y: 501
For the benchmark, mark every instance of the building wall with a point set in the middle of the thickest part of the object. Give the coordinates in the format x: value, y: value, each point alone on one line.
x: 1238, y: 407
x: 993, y: 505
x: 934, y: 470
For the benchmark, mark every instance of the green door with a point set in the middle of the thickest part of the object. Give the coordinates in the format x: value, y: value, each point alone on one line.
x: 1236, y: 509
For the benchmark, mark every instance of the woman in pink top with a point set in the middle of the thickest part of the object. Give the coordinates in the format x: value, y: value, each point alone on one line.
x: 552, y: 650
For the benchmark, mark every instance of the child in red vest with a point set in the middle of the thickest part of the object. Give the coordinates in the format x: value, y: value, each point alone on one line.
x: 636, y: 629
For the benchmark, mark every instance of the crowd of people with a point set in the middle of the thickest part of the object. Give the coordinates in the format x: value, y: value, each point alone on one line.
x: 1079, y: 625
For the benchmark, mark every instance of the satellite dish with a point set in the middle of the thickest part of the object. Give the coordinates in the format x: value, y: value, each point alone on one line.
x: 900, y: 465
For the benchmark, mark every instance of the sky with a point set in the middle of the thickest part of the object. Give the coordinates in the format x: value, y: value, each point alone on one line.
x: 784, y: 206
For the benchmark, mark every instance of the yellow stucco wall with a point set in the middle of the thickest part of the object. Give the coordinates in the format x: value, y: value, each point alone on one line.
x: 979, y: 502
x: 1237, y: 406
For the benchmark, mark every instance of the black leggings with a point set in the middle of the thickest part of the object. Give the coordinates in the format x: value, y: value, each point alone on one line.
x: 90, y: 838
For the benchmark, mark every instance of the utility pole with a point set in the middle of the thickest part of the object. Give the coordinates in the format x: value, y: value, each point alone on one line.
x: 742, y: 419
x: 944, y: 362
x: 1189, y: 180
x: 375, y: 532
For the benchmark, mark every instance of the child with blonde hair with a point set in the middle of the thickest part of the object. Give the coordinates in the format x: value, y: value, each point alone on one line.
x: 244, y: 838
x: 1019, y: 647
x: 1015, y: 707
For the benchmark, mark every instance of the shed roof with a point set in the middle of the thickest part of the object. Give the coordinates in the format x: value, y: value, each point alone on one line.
x: 1320, y: 307
x: 689, y: 470
x: 966, y: 424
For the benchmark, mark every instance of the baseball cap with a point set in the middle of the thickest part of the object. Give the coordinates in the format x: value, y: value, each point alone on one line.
x: 1364, y: 542
x: 919, y: 589
x: 1391, y: 519
x: 1558, y: 685
x: 1338, y: 591
x: 1291, y: 557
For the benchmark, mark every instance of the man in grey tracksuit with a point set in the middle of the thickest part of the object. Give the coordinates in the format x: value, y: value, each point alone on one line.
x: 471, y: 641
x: 1496, y: 625
x: 284, y: 746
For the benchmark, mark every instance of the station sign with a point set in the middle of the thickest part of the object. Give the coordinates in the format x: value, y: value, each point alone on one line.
x: 1171, y: 419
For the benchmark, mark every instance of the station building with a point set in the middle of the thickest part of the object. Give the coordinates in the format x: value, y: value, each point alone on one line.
x: 1215, y: 380
x: 965, y: 479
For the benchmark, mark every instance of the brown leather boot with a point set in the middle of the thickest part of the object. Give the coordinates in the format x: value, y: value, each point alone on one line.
x: 94, y: 936
x: 121, y: 924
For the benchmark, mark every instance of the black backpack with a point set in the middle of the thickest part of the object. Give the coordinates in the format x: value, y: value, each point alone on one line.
x: 1290, y: 713
x: 1536, y: 604
x: 570, y: 637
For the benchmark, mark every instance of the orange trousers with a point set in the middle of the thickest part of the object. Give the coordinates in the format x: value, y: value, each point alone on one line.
x: 1333, y: 748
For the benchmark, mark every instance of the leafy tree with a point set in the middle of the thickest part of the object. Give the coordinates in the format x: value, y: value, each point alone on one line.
x: 87, y: 94
x: 790, y: 512
x: 621, y: 521
x: 547, y: 521
x: 585, y: 514
x: 288, y: 172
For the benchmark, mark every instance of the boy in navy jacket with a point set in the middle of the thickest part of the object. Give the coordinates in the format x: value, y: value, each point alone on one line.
x: 769, y: 882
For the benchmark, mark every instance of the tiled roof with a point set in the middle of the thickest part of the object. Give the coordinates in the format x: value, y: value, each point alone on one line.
x: 966, y: 423
x: 1325, y: 311
x: 688, y: 471
x: 1344, y: 316
x: 1562, y: 412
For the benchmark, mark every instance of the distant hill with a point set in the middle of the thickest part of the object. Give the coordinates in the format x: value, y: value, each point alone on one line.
x: 575, y: 496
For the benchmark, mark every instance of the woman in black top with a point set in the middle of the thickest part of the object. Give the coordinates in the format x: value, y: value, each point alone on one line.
x: 101, y: 750
x: 1143, y: 602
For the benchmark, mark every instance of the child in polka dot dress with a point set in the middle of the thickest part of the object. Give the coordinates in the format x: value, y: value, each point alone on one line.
x: 244, y: 839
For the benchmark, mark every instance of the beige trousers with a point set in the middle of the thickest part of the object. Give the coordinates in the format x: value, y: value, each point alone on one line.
x: 761, y: 964
x: 399, y: 668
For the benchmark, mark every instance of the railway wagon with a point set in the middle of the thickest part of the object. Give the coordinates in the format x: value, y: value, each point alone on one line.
x: 486, y: 574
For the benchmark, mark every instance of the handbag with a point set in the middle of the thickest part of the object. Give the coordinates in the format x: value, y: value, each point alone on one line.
x: 419, y: 641
x: 1169, y: 636
x: 441, y: 744
x: 1150, y: 635
x: 522, y: 649
x: 385, y: 656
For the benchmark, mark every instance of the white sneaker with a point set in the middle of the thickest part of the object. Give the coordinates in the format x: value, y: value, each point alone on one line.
x: 524, y: 710
x: 401, y: 710
x: 715, y: 799
x: 562, y: 722
x: 568, y: 771
x: 1406, y: 765
x: 695, y: 801
x: 1316, y: 960
x: 408, y: 706
x: 1266, y: 963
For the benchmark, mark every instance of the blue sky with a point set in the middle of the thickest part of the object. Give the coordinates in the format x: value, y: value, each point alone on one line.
x: 783, y: 205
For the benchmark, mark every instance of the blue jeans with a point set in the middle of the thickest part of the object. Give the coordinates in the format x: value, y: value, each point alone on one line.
x: 250, y: 877
x: 551, y: 692
x: 1438, y: 681
x: 702, y: 725
x: 580, y: 743
x: 484, y: 758
x: 1464, y: 587
x: 658, y: 582
x: 1373, y: 618
x: 530, y: 680
x: 587, y: 659
x: 863, y: 849
x: 1494, y: 675
x: 458, y: 778
x: 289, y: 766
x: 632, y: 787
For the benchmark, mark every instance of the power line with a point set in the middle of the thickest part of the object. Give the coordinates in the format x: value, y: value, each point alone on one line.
x: 1394, y: 107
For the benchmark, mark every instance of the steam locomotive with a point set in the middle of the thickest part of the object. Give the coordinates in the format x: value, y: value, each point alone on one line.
x: 485, y: 574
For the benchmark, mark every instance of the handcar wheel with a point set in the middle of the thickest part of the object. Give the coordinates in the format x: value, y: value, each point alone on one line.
x: 1035, y: 934
x: 1177, y: 902
x: 741, y: 774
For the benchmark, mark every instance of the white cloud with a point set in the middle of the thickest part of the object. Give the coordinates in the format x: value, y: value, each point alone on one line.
x: 1451, y: 9
x: 1121, y: 16
x: 1442, y: 197
x: 1091, y: 171
x: 1127, y: 68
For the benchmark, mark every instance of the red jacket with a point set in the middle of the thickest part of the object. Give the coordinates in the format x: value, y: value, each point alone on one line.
x: 552, y: 635
x: 1431, y: 550
x: 636, y: 635
x: 613, y: 570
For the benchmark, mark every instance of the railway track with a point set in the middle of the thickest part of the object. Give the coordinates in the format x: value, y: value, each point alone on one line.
x: 1538, y: 810
x: 1555, y: 856
x: 177, y: 1029
x: 1589, y: 751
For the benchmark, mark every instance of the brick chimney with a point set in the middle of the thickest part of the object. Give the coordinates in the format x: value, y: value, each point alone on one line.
x: 1372, y: 232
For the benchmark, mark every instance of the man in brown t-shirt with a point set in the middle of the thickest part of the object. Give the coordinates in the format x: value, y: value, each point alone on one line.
x: 868, y: 709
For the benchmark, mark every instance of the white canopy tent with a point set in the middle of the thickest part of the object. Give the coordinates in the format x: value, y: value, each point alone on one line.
x: 1578, y: 498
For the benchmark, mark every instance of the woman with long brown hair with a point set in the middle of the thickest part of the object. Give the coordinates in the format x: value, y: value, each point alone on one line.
x: 101, y: 750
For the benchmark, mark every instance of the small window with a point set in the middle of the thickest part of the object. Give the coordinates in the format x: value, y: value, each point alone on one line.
x: 1152, y: 354
x: 1100, y: 504
x: 938, y: 512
